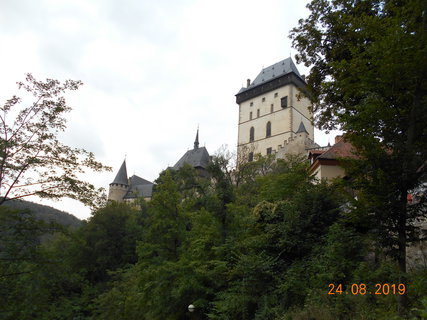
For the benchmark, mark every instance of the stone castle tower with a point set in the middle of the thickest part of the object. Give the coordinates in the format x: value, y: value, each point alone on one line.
x: 124, y: 189
x: 271, y: 115
x: 120, y: 184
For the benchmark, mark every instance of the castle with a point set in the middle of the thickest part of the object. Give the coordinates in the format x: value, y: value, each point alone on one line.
x: 273, y: 119
x: 124, y: 189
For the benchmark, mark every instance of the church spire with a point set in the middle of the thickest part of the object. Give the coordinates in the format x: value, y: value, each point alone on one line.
x: 196, y: 142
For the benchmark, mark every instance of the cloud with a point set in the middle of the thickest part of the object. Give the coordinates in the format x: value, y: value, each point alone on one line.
x: 82, y: 135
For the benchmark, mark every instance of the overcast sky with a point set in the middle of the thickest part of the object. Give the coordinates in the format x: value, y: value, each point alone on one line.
x: 152, y: 71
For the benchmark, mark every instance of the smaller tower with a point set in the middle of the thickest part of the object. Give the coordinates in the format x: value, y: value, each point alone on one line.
x: 302, y: 131
x: 120, y: 185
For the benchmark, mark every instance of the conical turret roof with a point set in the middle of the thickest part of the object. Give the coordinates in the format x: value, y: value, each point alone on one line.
x: 301, y: 128
x: 122, y: 175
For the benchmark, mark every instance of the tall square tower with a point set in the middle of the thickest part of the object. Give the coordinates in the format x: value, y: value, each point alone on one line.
x: 270, y: 111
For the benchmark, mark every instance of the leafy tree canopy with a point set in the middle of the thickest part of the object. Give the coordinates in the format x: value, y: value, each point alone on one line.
x: 32, y: 159
x: 368, y: 78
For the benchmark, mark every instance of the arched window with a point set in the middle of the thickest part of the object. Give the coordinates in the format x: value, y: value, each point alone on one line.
x: 251, y: 134
x: 268, y: 129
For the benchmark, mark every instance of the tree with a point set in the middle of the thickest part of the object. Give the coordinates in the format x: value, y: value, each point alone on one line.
x: 110, y: 237
x: 29, y: 277
x: 368, y: 78
x: 32, y: 159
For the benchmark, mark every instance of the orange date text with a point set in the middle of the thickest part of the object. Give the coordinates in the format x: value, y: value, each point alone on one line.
x: 362, y: 289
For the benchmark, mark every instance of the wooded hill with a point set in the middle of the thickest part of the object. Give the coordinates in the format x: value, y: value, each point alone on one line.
x: 45, y: 213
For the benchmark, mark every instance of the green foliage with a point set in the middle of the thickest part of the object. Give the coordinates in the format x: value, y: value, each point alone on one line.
x: 199, y: 241
x: 368, y: 78
x: 109, y: 240
x: 164, y: 222
x: 31, y: 277
x: 284, y: 179
x: 274, y: 236
x: 122, y: 300
x: 367, y: 63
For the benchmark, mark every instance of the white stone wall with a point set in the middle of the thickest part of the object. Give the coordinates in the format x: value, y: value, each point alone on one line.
x: 284, y: 121
x: 303, y: 112
x: 117, y: 192
x: 329, y: 172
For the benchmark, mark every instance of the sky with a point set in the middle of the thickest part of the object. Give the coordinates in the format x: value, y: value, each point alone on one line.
x: 153, y: 71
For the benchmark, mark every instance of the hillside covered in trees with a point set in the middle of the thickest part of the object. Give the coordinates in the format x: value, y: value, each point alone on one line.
x: 45, y: 213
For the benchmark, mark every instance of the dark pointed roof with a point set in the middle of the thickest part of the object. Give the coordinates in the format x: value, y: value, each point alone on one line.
x: 196, y: 142
x: 301, y: 128
x: 136, y: 180
x: 122, y: 175
x: 197, y: 158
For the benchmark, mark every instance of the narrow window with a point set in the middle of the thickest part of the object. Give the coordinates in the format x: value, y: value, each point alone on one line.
x: 250, y: 115
x: 251, y: 104
x: 284, y: 102
x: 251, y: 134
x: 257, y: 113
x: 276, y: 95
x: 272, y: 108
x: 268, y: 129
x: 269, y: 151
x: 263, y: 99
x: 251, y: 157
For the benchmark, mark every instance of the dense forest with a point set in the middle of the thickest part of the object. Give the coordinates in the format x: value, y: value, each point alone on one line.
x: 264, y: 242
